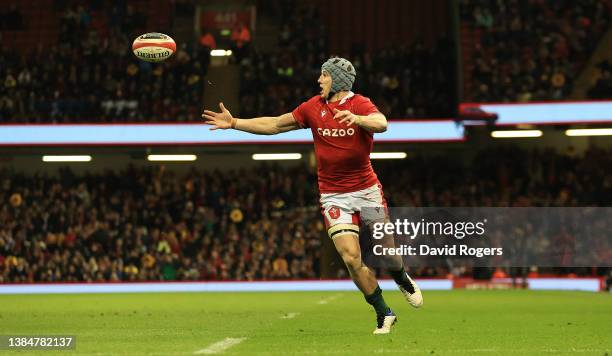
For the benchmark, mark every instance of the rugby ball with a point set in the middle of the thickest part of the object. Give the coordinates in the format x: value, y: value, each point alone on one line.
x: 153, y: 47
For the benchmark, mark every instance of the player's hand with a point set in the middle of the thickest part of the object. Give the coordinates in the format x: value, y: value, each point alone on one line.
x: 218, y: 120
x: 345, y: 116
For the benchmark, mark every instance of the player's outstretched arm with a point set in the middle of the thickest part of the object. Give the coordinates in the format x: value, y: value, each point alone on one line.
x: 267, y: 125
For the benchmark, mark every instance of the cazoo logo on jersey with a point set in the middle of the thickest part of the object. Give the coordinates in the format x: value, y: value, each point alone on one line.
x: 336, y: 132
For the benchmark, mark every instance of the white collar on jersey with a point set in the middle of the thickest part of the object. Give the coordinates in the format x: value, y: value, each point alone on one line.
x: 343, y: 100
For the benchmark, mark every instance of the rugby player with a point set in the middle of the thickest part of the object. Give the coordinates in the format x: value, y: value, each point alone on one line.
x: 343, y: 125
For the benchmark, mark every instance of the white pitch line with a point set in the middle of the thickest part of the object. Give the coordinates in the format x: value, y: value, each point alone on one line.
x: 289, y: 315
x: 329, y: 299
x: 220, y: 346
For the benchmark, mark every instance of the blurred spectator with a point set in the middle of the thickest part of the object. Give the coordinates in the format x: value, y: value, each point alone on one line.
x: 207, y: 40
x: 603, y: 86
x: 241, y: 39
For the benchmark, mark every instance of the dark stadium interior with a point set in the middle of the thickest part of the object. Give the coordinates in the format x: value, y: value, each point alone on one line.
x: 69, y: 61
x: 528, y: 50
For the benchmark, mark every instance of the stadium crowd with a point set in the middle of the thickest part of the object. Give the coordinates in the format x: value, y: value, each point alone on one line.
x: 531, y: 50
x: 527, y: 51
x: 405, y: 81
x: 146, y: 224
x: 249, y: 224
x: 95, y: 78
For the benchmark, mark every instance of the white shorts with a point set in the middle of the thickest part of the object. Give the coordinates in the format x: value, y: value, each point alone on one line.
x: 345, y: 209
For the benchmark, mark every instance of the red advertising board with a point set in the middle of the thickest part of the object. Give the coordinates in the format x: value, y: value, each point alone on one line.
x: 226, y: 19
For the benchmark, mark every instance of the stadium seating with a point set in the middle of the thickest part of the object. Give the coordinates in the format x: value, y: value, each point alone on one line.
x: 409, y: 81
x: 527, y: 51
x: 256, y: 224
x: 406, y: 81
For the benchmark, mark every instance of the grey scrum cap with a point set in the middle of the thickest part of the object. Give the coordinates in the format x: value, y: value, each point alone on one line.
x: 342, y: 73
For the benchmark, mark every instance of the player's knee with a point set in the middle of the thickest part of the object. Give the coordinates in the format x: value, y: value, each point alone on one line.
x: 346, y: 239
x: 352, y: 260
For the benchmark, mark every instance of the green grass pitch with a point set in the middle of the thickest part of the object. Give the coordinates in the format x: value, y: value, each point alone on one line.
x: 317, y: 323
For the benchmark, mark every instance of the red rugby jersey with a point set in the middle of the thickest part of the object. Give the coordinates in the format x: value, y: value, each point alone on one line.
x: 343, y: 152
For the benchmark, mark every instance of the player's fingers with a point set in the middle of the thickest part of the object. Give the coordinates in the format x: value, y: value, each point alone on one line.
x: 212, y: 114
x: 211, y: 120
x: 208, y: 112
x: 349, y: 119
x: 222, y: 107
